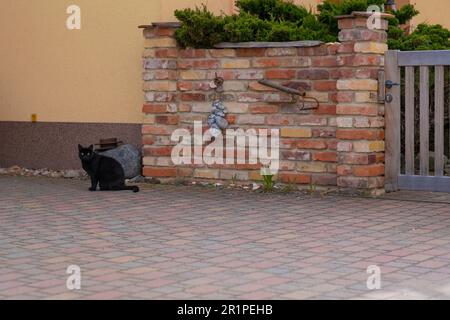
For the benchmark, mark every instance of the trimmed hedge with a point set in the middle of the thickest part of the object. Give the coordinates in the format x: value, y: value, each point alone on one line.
x: 282, y: 20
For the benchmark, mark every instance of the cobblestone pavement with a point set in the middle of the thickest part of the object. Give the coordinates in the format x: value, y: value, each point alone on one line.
x: 170, y: 242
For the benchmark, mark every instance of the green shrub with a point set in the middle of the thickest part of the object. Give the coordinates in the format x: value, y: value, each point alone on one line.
x: 246, y: 27
x: 273, y: 10
x: 281, y: 20
x: 258, y: 20
x: 424, y: 37
x: 200, y: 28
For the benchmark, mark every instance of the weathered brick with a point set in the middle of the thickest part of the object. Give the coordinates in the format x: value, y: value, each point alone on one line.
x: 160, y: 42
x: 326, y: 156
x: 160, y: 64
x: 148, y: 140
x: 279, y: 119
x: 313, y: 51
x: 148, y: 119
x: 159, y: 86
x: 155, y: 96
x: 344, y: 146
x: 235, y: 107
x: 206, y: 173
x: 199, y: 64
x: 280, y: 74
x: 344, y: 122
x: 371, y: 47
x: 236, y: 64
x: 295, y: 62
x: 357, y: 158
x: 159, y: 172
x: 250, y: 52
x: 360, y: 182
x: 167, y: 119
x: 310, y: 144
x: 311, y: 120
x: 366, y: 97
x: 274, y: 52
x: 357, y: 60
x: 313, y: 74
x: 357, y: 109
x: 295, y: 155
x: 235, y: 86
x: 324, y: 133
x: 159, y: 108
x: 295, y: 132
x: 360, y: 134
x: 266, y: 63
x: 192, y: 75
x: 287, y: 165
x: 324, y: 61
x: 161, y: 31
x: 154, y: 129
x: 324, y: 179
x: 192, y: 53
x: 184, y: 107
x: 185, y: 172
x: 234, y: 175
x: 358, y: 84
x: 312, y: 167
x: 222, y: 53
x: 164, y: 162
x: 369, y: 170
x: 328, y: 85
x: 160, y: 75
x: 157, y: 151
x: 263, y: 108
x: 294, y: 177
x: 166, y: 53
x: 193, y: 97
x: 249, y: 74
x: 362, y: 35
x: 149, y: 161
x: 250, y: 119
x: 368, y: 146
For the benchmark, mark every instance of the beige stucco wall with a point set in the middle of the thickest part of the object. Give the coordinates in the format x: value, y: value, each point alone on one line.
x: 92, y: 75
x: 433, y: 11
x: 87, y: 75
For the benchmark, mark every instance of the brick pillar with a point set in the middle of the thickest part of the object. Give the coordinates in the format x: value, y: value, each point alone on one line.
x: 360, y: 116
x: 160, y: 108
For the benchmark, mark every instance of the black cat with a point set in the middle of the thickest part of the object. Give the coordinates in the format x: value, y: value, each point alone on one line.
x: 103, y: 170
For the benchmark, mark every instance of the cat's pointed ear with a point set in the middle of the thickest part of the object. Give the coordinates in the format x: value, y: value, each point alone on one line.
x: 80, y: 147
x: 91, y: 147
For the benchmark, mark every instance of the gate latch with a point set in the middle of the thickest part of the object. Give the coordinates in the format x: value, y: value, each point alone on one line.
x: 389, y: 84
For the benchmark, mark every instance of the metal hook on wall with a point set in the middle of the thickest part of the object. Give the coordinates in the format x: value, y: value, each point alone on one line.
x: 296, y: 94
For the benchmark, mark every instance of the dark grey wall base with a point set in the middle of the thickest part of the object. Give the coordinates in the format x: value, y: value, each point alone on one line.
x: 420, y: 183
x: 53, y: 145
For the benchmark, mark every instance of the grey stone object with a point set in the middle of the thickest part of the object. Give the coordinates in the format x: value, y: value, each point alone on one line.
x: 129, y: 157
x: 217, y: 117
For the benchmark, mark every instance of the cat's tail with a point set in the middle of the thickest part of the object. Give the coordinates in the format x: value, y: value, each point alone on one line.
x: 133, y: 188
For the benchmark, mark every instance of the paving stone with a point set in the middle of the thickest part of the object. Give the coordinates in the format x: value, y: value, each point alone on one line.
x: 175, y: 242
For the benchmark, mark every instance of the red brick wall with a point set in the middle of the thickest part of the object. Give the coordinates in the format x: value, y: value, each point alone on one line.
x: 339, y: 144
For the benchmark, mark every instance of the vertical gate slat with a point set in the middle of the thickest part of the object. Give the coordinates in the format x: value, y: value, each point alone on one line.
x: 439, y: 121
x: 392, y: 118
x: 424, y: 121
x: 409, y: 121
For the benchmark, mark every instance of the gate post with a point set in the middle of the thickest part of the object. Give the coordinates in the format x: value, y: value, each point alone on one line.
x: 392, y: 119
x: 360, y: 115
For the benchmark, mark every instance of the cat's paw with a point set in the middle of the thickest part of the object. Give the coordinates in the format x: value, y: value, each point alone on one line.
x: 92, y: 189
